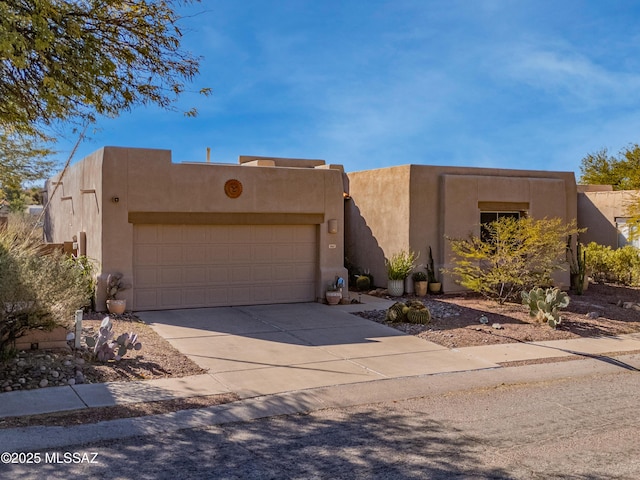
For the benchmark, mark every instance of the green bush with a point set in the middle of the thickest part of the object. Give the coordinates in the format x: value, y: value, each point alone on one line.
x: 400, y: 265
x: 36, y: 290
x: 519, y: 254
x: 620, y: 266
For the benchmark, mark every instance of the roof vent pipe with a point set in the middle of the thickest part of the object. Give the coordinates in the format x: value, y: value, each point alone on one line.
x: 208, y: 154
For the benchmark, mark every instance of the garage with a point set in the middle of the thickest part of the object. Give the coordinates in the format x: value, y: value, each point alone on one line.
x: 203, y: 234
x: 189, y: 266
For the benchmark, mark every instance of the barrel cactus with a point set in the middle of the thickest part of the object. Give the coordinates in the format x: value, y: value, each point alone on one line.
x: 419, y: 315
x: 363, y: 283
x: 397, y: 312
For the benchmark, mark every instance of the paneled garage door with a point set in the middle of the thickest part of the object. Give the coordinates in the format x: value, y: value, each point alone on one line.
x: 182, y: 266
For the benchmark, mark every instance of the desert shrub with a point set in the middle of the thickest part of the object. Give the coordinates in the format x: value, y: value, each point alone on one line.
x: 621, y: 265
x: 517, y: 255
x: 36, y: 290
x: 400, y: 264
x: 599, y: 259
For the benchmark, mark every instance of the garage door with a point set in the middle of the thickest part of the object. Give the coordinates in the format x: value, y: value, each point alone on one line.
x: 182, y: 266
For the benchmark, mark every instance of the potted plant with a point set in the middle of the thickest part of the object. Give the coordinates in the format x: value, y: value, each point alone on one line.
x: 434, y: 284
x: 333, y: 293
x: 115, y: 285
x: 420, y: 283
x: 399, y: 267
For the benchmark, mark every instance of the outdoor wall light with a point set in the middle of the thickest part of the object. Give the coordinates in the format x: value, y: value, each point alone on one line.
x: 333, y: 226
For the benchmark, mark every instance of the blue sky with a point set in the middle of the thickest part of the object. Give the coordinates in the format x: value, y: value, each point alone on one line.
x: 367, y: 84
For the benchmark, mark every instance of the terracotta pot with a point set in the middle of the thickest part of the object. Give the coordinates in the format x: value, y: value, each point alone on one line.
x: 435, y: 287
x: 333, y: 298
x: 421, y: 288
x: 117, y: 307
x: 395, y: 287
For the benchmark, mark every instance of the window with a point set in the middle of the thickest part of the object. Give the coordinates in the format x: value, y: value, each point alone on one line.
x: 488, y: 217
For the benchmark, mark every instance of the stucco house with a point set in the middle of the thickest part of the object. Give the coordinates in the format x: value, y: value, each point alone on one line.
x: 605, y: 214
x: 275, y: 230
x: 417, y: 206
x: 183, y: 235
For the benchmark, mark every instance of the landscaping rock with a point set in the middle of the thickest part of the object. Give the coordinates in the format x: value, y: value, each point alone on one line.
x: 33, y: 369
x: 631, y: 305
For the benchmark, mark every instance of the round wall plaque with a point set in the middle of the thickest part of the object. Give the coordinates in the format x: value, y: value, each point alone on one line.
x: 233, y: 188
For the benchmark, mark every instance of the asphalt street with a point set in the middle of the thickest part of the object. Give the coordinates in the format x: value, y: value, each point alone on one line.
x: 582, y: 427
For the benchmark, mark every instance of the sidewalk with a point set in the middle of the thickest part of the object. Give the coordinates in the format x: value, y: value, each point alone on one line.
x: 269, y: 359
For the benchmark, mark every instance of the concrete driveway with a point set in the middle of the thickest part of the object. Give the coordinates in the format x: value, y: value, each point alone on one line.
x: 266, y: 349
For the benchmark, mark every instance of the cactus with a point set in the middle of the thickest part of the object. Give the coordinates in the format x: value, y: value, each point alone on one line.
x: 431, y: 270
x: 414, y: 311
x: 115, y: 285
x: 578, y: 265
x: 104, y: 348
x: 126, y: 342
x: 363, y: 283
x: 544, y: 304
x: 417, y: 315
x: 582, y: 268
x: 416, y: 304
x: 396, y: 313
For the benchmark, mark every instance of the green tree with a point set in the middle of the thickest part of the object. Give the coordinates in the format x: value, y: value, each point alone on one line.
x: 517, y: 255
x: 66, y: 60
x: 23, y: 159
x: 622, y: 172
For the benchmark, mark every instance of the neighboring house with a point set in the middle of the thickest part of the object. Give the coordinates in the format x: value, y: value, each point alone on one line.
x: 34, y: 210
x: 266, y: 230
x: 417, y: 206
x: 604, y: 212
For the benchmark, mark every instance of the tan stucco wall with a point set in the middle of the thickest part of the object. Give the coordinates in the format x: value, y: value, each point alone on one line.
x: 598, y: 210
x: 148, y: 187
x: 378, y: 218
x: 77, y: 205
x: 434, y: 202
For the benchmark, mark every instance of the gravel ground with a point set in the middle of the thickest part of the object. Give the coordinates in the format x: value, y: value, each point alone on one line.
x: 602, y: 310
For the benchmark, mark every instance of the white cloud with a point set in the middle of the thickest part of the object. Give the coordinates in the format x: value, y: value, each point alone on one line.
x: 569, y: 77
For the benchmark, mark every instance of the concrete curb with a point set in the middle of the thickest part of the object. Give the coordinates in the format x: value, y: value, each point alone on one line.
x: 40, y: 438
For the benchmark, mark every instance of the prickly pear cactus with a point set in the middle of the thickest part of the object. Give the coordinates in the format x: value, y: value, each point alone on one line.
x: 419, y: 315
x: 395, y: 313
x: 105, y: 348
x: 544, y: 304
